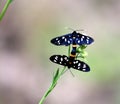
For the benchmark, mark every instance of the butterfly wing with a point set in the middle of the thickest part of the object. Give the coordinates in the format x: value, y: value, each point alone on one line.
x: 64, y: 60
x: 79, y: 65
x: 60, y: 59
x: 81, y: 39
x: 71, y: 38
x: 63, y: 40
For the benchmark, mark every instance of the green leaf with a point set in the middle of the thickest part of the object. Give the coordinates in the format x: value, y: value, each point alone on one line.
x: 10, y: 1
x: 81, y: 48
x: 83, y: 54
x: 56, y: 75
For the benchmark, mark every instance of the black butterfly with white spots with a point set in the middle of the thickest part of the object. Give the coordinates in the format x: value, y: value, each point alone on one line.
x: 70, y: 63
x: 74, y: 37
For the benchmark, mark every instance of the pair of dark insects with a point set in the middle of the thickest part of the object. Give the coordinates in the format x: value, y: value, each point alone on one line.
x: 75, y: 39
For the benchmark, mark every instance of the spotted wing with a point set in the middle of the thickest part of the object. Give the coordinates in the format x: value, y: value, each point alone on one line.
x: 79, y: 65
x: 63, y: 40
x: 81, y: 39
x: 60, y: 59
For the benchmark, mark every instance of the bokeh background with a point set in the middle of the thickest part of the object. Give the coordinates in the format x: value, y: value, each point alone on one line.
x: 25, y: 48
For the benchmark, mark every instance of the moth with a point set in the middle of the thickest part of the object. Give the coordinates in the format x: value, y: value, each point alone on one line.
x: 70, y: 62
x: 72, y: 38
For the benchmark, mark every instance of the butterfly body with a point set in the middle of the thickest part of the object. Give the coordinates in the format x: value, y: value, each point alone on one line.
x: 72, y: 38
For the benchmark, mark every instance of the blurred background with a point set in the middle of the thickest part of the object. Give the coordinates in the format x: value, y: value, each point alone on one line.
x: 25, y: 69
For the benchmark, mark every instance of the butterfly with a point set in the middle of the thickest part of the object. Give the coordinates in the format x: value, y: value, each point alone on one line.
x: 72, y: 38
x: 70, y: 62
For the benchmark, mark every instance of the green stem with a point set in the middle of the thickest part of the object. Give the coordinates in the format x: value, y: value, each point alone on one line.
x: 52, y: 86
x: 54, y: 82
x: 69, y: 51
x: 5, y: 9
x: 45, y: 95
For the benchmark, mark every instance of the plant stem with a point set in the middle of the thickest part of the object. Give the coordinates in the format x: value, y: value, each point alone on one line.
x: 45, y: 95
x: 5, y: 9
x: 54, y: 82
x: 52, y: 86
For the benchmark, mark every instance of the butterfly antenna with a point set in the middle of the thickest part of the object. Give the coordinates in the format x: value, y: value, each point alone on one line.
x: 65, y: 71
x: 74, y: 29
x: 68, y: 28
x: 72, y: 73
x: 80, y: 30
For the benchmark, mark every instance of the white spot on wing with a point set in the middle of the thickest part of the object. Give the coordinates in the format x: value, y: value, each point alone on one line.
x: 87, y: 41
x: 61, y: 59
x: 69, y: 36
x: 76, y: 61
x: 60, y: 62
x: 56, y: 39
x: 65, y: 58
x: 81, y: 39
x: 79, y: 64
x: 63, y: 37
x: 78, y: 67
x: 78, y: 41
x: 84, y: 69
x: 54, y: 60
x: 82, y: 36
x: 56, y: 57
x: 68, y: 41
x: 84, y: 66
x: 88, y: 38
